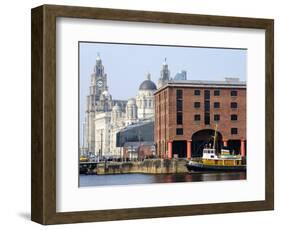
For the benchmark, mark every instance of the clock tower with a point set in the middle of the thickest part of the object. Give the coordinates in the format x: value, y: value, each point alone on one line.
x: 98, y: 100
x: 165, y: 74
x: 98, y: 79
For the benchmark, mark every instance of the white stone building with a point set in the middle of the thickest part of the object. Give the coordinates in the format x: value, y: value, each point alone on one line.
x: 105, y: 117
x: 131, y: 112
x: 102, y: 134
x: 145, y: 98
x: 116, y: 124
x: 97, y: 101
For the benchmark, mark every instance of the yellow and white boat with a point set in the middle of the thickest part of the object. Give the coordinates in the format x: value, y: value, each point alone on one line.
x: 213, y: 161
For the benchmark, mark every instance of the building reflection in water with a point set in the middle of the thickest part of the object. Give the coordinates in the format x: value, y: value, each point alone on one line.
x: 131, y: 179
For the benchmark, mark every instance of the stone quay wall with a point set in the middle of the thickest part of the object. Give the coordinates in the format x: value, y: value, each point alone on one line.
x: 150, y: 166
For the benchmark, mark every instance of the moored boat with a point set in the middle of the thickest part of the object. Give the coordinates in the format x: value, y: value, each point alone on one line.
x: 213, y: 161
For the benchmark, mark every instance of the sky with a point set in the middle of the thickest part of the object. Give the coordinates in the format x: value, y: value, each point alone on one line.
x: 127, y: 65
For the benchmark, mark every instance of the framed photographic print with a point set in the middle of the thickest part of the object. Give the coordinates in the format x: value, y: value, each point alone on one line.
x: 140, y: 114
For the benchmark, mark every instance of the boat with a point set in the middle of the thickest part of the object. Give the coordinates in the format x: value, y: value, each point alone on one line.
x: 225, y: 161
x: 83, y: 159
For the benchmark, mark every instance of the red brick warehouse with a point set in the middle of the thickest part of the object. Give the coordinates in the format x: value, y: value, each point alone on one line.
x: 186, y: 114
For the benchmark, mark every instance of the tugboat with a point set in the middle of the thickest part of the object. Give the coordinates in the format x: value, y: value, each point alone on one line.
x: 213, y: 161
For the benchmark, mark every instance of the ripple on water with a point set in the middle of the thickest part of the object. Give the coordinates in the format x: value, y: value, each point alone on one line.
x: 130, y: 179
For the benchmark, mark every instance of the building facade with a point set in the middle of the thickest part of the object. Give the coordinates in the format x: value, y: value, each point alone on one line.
x: 181, y: 76
x: 164, y: 75
x: 187, y: 113
x: 145, y: 98
x: 137, y: 140
x: 105, y: 116
x: 102, y: 134
x: 98, y: 101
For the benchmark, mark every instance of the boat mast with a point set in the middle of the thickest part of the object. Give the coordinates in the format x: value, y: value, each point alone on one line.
x: 215, y: 137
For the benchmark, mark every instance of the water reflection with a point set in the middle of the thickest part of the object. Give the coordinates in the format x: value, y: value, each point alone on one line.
x: 129, y: 179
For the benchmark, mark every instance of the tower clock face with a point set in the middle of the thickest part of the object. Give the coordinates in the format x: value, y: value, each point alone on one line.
x: 99, y: 83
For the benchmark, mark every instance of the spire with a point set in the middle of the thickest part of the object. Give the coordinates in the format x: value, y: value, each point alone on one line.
x: 164, y: 74
x: 165, y: 61
x: 98, y: 57
x: 148, y: 76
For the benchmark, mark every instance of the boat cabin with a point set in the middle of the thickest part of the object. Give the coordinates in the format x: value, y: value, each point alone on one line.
x: 209, y: 153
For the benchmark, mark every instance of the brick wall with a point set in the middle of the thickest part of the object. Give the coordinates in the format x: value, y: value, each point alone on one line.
x: 166, y: 114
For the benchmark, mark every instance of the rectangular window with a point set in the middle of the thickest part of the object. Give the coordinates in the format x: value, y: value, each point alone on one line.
x: 179, y: 105
x: 179, y: 131
x: 216, y: 93
x: 234, y: 131
x: 216, y: 105
x: 207, y: 94
x: 179, y: 94
x: 179, y: 118
x: 196, y: 104
x: 197, y: 117
x: 233, y: 93
x: 216, y: 117
x: 207, y: 118
x: 207, y: 105
x: 197, y: 92
x: 233, y: 105
x: 234, y: 117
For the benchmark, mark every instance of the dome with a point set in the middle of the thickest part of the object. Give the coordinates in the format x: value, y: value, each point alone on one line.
x: 147, y: 85
x: 131, y: 101
x: 116, y: 108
